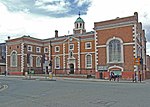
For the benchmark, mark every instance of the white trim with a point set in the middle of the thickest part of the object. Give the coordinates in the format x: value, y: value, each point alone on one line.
x: 22, y: 57
x: 114, y: 66
x: 64, y: 61
x: 74, y: 54
x: 79, y: 54
x: 124, y: 44
x: 101, y: 46
x: 116, y: 25
x: 6, y: 58
x: 96, y: 51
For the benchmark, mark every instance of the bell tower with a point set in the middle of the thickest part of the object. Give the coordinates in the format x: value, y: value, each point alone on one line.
x: 79, y: 26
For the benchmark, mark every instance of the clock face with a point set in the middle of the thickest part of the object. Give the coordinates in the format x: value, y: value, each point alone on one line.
x: 70, y: 39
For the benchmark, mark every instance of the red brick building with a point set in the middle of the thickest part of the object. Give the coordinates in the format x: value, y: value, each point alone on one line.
x: 117, y: 45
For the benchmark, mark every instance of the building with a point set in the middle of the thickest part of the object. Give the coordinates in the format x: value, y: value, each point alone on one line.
x: 117, y: 45
x: 2, y: 58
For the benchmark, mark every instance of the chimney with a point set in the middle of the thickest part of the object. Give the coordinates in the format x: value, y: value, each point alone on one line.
x: 56, y: 33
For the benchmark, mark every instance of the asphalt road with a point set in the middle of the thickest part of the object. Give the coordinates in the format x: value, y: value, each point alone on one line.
x: 66, y: 93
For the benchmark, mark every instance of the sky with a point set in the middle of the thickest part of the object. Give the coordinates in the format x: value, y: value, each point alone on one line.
x: 40, y: 18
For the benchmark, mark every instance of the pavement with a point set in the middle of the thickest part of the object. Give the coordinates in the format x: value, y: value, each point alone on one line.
x: 44, y: 78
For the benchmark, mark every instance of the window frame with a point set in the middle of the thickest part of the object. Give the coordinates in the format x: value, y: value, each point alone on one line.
x: 45, y: 50
x: 86, y: 61
x: 56, y: 48
x: 72, y: 46
x: 121, y: 50
x: 38, y: 51
x: 12, y: 62
x: 57, y: 65
x: 87, y: 44
x: 29, y: 47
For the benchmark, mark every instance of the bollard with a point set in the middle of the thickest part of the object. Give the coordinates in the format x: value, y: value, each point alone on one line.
x: 26, y: 74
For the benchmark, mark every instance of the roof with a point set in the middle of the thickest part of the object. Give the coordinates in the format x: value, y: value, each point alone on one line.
x: 79, y: 20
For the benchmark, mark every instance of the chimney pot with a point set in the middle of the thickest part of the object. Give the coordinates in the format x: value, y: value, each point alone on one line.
x: 56, y: 33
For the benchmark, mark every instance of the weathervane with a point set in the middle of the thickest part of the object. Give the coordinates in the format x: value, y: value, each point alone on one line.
x: 79, y: 13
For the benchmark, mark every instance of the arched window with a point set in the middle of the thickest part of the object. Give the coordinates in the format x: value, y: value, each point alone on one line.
x: 114, y: 52
x: 38, y: 62
x: 13, y: 59
x: 57, y: 62
x: 88, y: 61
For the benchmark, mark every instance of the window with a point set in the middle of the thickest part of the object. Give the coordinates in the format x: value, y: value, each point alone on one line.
x: 114, y: 50
x: 13, y: 59
x: 71, y: 46
x: 31, y: 61
x: 57, y: 62
x: 46, y: 50
x: 38, y: 49
x: 88, y: 61
x: 30, y: 48
x: 88, y: 45
x: 70, y: 54
x: 38, y: 62
x: 57, y: 49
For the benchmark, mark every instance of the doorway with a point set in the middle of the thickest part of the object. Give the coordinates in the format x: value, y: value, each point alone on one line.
x: 71, y: 68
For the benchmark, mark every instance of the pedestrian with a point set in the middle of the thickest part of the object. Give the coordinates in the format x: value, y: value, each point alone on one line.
x: 111, y: 75
x: 5, y: 72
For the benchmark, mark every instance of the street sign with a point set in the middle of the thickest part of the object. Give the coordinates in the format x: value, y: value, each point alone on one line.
x: 137, y: 61
x: 102, y: 68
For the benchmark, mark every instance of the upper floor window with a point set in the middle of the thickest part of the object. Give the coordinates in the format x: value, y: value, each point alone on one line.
x: 46, y: 50
x: 70, y: 54
x: 71, y: 46
x: 88, y: 45
x: 13, y: 59
x: 88, y: 61
x: 38, y: 49
x: 30, y: 48
x: 115, y: 51
x: 57, y: 48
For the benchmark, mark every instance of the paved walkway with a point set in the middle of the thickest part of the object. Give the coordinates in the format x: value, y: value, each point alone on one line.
x: 70, y: 79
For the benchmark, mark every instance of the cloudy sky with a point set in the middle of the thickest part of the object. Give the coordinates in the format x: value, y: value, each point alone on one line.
x: 40, y: 18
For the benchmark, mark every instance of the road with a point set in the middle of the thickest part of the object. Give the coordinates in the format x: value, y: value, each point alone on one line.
x: 66, y: 93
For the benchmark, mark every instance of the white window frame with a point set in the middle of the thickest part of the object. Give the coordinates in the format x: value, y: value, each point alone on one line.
x: 58, y: 62
x: 87, y: 44
x: 72, y: 46
x: 38, y: 49
x: 13, y: 63
x: 107, y: 44
x: 45, y: 50
x: 38, y: 64
x: 29, y: 48
x: 56, y: 48
x: 86, y: 65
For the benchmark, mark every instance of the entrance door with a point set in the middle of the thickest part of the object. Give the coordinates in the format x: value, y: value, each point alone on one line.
x: 71, y: 68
